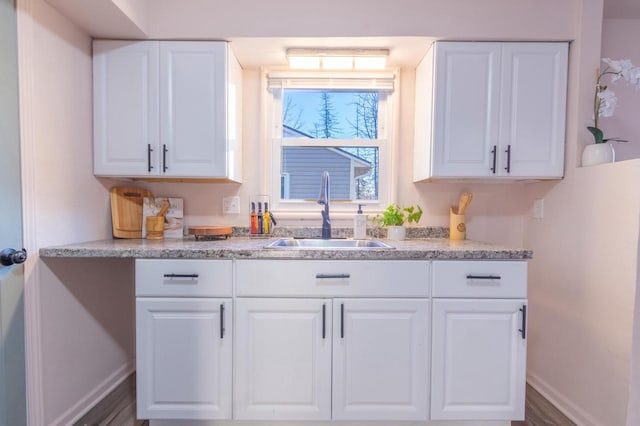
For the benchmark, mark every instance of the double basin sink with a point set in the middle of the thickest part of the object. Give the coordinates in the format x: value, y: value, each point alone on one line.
x: 332, y: 244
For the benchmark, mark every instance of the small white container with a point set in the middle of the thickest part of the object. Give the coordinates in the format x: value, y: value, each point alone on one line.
x: 396, y: 233
x: 359, y: 225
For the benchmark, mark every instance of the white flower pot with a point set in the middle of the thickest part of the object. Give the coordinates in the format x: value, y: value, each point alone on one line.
x: 598, y: 153
x: 396, y: 233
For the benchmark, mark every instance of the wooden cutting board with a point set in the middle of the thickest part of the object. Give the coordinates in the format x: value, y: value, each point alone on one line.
x: 126, y: 211
x: 206, y: 231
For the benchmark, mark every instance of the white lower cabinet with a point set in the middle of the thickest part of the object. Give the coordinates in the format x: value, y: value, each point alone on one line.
x: 327, y: 340
x: 283, y: 359
x: 184, y: 339
x: 479, y: 359
x: 184, y: 358
x: 479, y: 344
x: 380, y: 359
x: 350, y: 350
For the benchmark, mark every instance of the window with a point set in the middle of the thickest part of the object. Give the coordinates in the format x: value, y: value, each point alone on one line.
x: 335, y: 125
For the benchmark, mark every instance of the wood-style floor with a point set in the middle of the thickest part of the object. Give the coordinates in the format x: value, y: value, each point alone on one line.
x: 119, y: 409
x: 540, y: 412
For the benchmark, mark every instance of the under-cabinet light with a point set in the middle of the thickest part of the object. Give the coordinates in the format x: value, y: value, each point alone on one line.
x: 338, y: 59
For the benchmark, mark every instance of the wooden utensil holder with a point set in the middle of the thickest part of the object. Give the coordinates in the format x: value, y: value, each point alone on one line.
x: 457, y: 227
x: 155, y: 227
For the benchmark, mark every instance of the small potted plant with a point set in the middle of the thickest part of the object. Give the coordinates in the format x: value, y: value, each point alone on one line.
x: 393, y: 218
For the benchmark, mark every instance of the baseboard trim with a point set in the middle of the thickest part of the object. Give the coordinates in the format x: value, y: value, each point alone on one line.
x: 561, y: 402
x: 84, y: 405
x: 107, y: 410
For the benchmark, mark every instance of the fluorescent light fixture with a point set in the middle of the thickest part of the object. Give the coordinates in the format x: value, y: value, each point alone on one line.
x: 338, y: 59
x: 337, y: 62
x: 304, y: 62
x: 370, y: 62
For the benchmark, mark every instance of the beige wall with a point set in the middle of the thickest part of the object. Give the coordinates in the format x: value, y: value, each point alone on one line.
x: 633, y: 411
x: 489, y: 19
x: 582, y: 279
x: 581, y: 293
x: 619, y: 41
x: 79, y: 313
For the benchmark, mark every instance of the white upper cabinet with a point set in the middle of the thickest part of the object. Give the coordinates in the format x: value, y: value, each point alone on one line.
x: 125, y: 108
x: 166, y: 109
x: 533, y: 109
x: 487, y: 110
x: 466, y: 105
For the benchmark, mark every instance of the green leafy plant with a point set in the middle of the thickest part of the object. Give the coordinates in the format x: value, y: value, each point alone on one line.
x: 395, y: 215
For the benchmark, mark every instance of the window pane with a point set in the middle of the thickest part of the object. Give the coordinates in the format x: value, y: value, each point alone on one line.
x: 353, y: 172
x: 324, y: 114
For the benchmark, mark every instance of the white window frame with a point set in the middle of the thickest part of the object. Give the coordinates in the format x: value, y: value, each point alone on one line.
x: 387, y: 117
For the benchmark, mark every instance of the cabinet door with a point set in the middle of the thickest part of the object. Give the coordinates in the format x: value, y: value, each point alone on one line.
x: 466, y: 108
x: 184, y: 349
x: 125, y: 90
x: 193, y: 108
x: 283, y: 359
x: 380, y: 359
x: 534, y: 93
x: 478, y: 359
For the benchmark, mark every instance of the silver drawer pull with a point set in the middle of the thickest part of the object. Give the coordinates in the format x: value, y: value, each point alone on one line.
x: 483, y: 277
x: 332, y: 276
x: 181, y: 275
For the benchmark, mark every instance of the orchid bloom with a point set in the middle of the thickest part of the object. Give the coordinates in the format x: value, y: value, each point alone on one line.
x: 605, y: 100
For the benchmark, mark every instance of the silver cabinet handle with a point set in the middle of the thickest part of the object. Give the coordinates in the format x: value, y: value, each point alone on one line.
x: 164, y: 158
x: 483, y: 277
x: 181, y: 275
x: 523, y: 330
x: 222, y: 320
x: 332, y: 276
x: 324, y: 320
x: 342, y: 320
x: 508, y: 151
x: 149, y: 151
x: 493, y: 167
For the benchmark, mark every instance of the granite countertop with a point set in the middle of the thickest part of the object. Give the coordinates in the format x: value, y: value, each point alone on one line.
x: 250, y: 248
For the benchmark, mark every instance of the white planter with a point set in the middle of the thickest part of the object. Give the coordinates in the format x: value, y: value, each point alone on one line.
x: 396, y: 233
x: 598, y: 153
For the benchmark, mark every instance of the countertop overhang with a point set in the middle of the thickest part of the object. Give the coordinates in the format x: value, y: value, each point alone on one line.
x: 249, y: 248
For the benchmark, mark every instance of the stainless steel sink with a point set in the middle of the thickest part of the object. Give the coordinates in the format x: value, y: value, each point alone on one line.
x: 296, y: 244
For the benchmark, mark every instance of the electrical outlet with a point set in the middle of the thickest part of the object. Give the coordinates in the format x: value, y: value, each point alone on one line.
x: 231, y: 205
x: 538, y: 208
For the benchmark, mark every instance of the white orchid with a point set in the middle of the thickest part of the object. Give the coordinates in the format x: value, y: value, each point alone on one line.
x: 605, y: 100
x: 608, y: 101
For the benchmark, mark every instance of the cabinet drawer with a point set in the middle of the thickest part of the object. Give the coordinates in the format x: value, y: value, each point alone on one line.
x: 184, y: 278
x: 495, y: 279
x: 321, y: 278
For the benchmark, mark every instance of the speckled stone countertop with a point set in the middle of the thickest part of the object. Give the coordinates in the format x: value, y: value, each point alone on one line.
x: 250, y: 248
